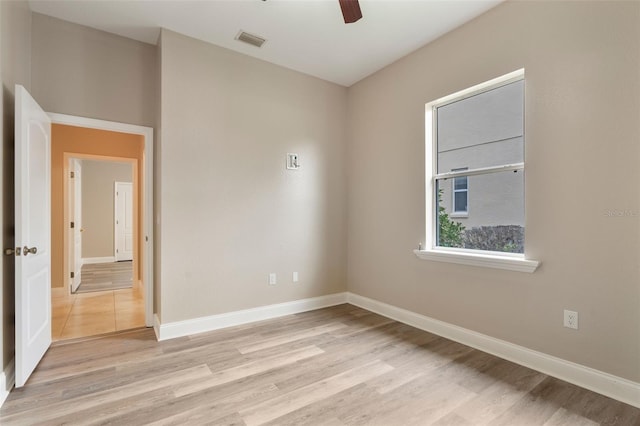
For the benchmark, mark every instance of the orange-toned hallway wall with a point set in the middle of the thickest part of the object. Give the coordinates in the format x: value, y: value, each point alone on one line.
x: 84, y: 141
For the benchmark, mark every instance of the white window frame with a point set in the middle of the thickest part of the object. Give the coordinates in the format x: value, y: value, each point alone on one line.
x: 500, y: 260
x: 459, y: 213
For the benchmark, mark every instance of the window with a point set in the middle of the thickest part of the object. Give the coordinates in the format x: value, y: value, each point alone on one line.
x: 475, y: 138
x: 460, y: 195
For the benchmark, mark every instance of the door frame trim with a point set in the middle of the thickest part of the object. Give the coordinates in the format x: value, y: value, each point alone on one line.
x: 146, y: 246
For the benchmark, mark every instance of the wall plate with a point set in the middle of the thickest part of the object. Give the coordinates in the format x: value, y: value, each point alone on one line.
x: 293, y: 162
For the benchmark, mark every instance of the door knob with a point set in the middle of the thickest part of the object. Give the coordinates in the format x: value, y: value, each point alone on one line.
x: 26, y: 250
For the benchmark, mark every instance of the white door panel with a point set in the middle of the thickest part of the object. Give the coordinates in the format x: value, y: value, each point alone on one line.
x: 75, y: 213
x: 33, y: 234
x: 124, y: 221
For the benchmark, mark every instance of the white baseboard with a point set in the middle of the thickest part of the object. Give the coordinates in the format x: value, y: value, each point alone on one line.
x: 229, y: 319
x: 89, y: 260
x: 7, y: 380
x: 598, y: 381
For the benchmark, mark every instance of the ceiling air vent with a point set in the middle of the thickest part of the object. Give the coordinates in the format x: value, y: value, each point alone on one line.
x: 251, y: 39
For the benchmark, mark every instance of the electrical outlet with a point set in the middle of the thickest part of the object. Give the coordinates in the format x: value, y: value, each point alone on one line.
x: 272, y: 278
x: 571, y: 319
x: 295, y: 277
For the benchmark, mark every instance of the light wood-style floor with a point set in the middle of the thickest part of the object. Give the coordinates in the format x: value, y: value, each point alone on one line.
x: 106, y: 276
x: 88, y: 314
x: 334, y: 366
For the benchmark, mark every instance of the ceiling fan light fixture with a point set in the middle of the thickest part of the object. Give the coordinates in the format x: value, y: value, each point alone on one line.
x: 251, y: 39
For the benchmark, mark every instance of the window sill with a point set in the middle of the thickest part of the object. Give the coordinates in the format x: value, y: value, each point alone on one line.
x: 459, y: 215
x: 510, y: 263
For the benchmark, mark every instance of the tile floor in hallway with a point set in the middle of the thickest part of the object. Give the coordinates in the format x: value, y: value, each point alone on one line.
x: 89, y: 314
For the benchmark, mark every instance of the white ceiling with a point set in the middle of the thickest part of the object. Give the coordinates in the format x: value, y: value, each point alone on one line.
x: 309, y: 36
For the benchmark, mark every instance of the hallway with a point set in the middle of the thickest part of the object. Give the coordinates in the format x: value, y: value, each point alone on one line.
x: 89, y: 314
x: 106, y: 276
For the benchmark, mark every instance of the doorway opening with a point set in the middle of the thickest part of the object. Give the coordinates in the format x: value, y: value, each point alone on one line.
x: 101, y: 221
x: 102, y: 211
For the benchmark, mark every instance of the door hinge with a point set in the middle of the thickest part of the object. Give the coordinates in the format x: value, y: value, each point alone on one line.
x: 73, y: 275
x: 73, y: 225
x: 73, y: 175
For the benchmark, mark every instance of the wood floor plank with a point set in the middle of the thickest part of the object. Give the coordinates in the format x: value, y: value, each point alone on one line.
x: 65, y: 407
x: 336, y: 366
x: 203, y: 407
x: 290, y: 337
x: 564, y: 417
x: 329, y: 364
x: 106, y: 412
x: 22, y: 400
x: 421, y: 401
x: 249, y: 369
x: 105, y: 276
x: 500, y: 395
x: 601, y: 409
x: 395, y: 379
x: 337, y: 406
x: 452, y: 419
x: 432, y: 403
x: 70, y: 369
x: 270, y: 410
x: 161, y: 406
x: 539, y: 405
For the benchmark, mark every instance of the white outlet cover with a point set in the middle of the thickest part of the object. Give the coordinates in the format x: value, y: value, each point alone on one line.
x: 272, y: 278
x: 571, y: 319
x: 295, y: 277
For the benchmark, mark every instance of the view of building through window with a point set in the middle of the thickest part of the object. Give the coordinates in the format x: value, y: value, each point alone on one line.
x: 479, y: 176
x: 460, y: 194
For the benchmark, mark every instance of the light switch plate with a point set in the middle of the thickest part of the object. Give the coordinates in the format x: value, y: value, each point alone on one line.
x: 293, y: 162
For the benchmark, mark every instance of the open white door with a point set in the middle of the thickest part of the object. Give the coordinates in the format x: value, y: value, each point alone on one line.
x: 124, y: 221
x: 75, y: 230
x: 33, y: 234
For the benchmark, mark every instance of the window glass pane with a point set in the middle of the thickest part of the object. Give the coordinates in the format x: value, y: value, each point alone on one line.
x: 482, y: 131
x: 461, y: 183
x: 495, y: 220
x: 461, y: 201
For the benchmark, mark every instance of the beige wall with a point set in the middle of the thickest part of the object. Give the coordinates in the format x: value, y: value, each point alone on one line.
x: 90, y: 73
x: 582, y: 62
x: 15, y: 68
x: 98, y: 180
x: 230, y: 212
